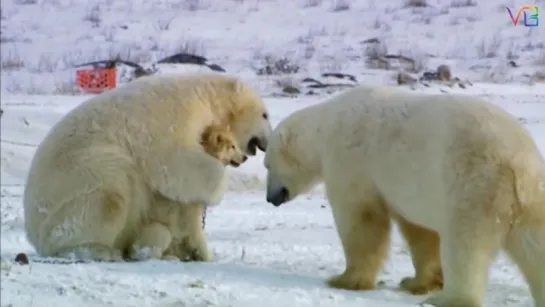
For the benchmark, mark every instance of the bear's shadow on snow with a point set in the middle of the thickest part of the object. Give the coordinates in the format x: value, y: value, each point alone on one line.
x: 232, y: 272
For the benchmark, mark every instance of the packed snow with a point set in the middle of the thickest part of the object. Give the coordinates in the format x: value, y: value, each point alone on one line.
x: 264, y: 256
x: 43, y: 40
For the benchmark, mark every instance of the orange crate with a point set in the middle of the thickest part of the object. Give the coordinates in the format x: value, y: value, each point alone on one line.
x: 96, y: 80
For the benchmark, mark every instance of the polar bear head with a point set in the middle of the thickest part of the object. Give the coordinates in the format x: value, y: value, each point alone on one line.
x: 293, y: 166
x: 249, y: 119
x: 221, y: 144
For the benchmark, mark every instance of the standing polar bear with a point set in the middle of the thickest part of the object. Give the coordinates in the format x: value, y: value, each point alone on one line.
x: 444, y: 166
x: 99, y: 170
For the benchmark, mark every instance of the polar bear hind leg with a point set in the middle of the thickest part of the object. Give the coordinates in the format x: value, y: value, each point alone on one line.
x: 424, y: 248
x: 86, y: 227
x: 525, y: 243
x: 364, y: 229
x: 101, y: 209
x: 478, y: 223
x: 526, y: 247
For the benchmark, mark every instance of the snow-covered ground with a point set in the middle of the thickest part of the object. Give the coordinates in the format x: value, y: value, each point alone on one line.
x: 42, y: 40
x: 266, y: 256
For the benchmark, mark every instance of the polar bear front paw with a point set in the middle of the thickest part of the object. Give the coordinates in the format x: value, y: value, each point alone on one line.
x: 196, y: 254
x: 190, y: 250
x: 418, y: 286
x: 168, y: 257
x: 142, y: 253
x: 351, y: 281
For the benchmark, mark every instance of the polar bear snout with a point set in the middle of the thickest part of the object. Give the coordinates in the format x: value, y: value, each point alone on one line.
x: 237, y: 163
x: 256, y: 143
x: 277, y: 196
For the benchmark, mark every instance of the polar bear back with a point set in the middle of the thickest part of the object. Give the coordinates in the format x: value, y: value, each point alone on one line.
x: 410, y: 146
x: 138, y: 113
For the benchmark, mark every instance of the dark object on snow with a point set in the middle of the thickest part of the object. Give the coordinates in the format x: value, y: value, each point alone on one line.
x: 186, y: 58
x: 216, y: 67
x: 139, y: 71
x: 404, y: 78
x: 1, y: 112
x: 373, y: 40
x: 399, y: 57
x: 315, y: 83
x: 21, y: 258
x: 306, y: 80
x: 111, y: 64
x: 340, y: 76
x: 443, y: 73
x: 428, y: 76
x: 318, y: 85
x: 100, y: 64
x: 288, y: 89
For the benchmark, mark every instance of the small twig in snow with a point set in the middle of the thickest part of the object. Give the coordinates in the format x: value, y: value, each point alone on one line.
x: 243, y: 254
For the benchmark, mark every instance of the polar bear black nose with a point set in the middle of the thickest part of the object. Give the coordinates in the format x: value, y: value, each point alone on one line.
x: 278, y: 197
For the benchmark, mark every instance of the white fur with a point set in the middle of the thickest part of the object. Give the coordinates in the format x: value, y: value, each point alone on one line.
x: 102, y: 167
x: 456, y: 166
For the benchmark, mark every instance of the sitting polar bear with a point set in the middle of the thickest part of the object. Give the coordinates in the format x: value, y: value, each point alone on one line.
x: 444, y: 166
x: 99, y: 170
x: 170, y: 234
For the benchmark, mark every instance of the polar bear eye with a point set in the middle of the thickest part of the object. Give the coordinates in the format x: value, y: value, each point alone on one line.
x: 232, y: 146
x: 265, y: 116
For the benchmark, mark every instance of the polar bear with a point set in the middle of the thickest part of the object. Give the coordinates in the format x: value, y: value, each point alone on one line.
x: 96, y: 173
x: 174, y: 231
x: 448, y: 167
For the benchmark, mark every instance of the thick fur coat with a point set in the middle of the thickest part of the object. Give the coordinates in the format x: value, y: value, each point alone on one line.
x: 461, y: 176
x: 99, y: 170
